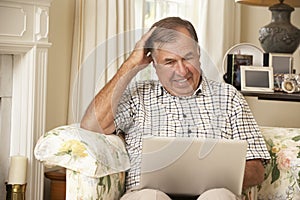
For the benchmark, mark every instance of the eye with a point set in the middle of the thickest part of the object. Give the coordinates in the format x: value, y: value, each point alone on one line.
x: 189, y: 58
x: 170, y: 63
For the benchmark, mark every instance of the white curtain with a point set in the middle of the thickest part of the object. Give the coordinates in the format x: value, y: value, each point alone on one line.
x: 105, y: 32
x: 218, y: 27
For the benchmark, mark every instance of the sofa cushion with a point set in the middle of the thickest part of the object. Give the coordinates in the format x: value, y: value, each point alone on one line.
x: 280, y: 175
x: 90, y: 153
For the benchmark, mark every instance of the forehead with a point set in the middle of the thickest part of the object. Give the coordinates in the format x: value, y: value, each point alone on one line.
x: 181, y: 47
x: 178, y: 48
x: 176, y: 41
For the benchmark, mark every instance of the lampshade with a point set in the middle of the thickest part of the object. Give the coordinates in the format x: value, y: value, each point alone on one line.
x: 280, y: 36
x: 293, y: 3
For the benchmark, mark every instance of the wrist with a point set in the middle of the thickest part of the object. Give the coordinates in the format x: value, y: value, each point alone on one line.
x: 130, y: 68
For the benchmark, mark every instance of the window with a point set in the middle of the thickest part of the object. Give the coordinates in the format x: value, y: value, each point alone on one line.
x: 157, y: 9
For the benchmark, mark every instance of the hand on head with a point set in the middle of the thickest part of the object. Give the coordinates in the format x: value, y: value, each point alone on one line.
x: 141, y: 57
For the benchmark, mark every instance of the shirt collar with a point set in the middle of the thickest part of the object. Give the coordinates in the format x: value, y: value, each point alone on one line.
x: 204, y: 86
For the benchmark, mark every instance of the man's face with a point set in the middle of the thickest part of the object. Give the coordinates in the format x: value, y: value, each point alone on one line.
x: 177, y: 65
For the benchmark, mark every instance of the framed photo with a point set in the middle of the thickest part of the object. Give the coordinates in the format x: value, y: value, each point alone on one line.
x: 281, y: 62
x: 278, y: 79
x: 257, y: 79
x: 233, y: 74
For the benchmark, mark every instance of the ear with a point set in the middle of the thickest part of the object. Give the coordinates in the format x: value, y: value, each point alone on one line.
x: 154, y: 62
x: 198, y: 49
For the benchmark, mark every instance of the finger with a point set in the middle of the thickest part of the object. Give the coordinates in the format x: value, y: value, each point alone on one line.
x: 141, y: 43
x: 146, y: 36
x: 146, y: 61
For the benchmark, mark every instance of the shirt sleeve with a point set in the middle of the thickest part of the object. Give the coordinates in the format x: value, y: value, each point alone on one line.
x: 245, y: 128
x: 126, y: 109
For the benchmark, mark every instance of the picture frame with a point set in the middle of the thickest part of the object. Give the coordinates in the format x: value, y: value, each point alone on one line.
x: 282, y: 63
x: 278, y: 79
x: 233, y: 74
x: 257, y: 79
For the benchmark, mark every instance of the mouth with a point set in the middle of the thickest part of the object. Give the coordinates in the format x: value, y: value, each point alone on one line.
x: 181, y: 80
x: 182, y: 83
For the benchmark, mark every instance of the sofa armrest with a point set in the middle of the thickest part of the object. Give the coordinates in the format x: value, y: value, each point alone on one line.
x: 92, y: 154
x: 284, y: 147
x: 84, y: 187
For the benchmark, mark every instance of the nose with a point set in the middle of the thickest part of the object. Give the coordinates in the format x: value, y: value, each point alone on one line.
x: 181, y: 69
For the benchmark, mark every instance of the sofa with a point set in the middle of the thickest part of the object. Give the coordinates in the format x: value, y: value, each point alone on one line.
x: 96, y: 163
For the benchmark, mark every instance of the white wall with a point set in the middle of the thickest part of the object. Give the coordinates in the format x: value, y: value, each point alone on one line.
x: 275, y: 113
x: 61, y: 33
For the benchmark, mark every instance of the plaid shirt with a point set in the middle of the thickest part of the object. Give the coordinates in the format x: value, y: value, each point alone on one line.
x: 216, y: 110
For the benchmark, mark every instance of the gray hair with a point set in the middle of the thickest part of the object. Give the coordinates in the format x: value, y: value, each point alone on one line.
x: 167, y: 31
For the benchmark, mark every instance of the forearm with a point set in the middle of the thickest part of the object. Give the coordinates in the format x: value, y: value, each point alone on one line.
x: 254, y: 173
x: 99, y: 116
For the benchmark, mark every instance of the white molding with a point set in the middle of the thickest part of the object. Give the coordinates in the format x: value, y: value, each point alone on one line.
x: 15, y: 47
x: 42, y: 24
x: 15, y: 24
x: 24, y: 20
x: 28, y: 114
x: 6, y: 66
x: 29, y: 2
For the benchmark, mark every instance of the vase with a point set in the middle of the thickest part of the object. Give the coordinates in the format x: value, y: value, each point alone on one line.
x: 280, y: 36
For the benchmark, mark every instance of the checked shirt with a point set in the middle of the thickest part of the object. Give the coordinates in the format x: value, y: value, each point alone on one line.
x: 215, y: 110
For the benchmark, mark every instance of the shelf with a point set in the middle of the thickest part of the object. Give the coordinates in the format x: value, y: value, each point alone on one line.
x: 278, y: 96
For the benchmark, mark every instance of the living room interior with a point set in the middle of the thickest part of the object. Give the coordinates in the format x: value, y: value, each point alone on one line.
x: 61, y: 79
x: 61, y: 19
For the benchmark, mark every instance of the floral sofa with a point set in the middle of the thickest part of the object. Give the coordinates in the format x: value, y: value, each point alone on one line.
x: 281, y: 175
x: 96, y: 163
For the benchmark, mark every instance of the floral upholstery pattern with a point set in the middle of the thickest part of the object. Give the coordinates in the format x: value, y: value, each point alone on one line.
x: 110, y: 187
x: 96, y: 163
x: 280, y: 182
x: 74, y: 148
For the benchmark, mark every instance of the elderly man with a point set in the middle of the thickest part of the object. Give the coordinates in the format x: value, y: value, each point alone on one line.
x: 182, y: 103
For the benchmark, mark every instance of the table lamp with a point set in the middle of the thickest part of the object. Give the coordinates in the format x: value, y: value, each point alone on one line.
x: 280, y: 36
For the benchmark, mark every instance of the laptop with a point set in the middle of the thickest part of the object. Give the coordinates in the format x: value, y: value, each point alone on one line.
x: 190, y: 166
